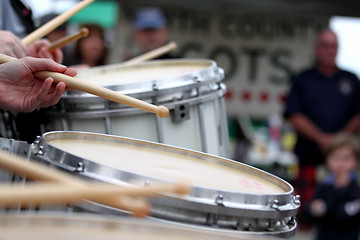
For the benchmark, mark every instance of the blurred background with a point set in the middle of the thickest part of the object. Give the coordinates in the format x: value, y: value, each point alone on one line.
x: 260, y: 44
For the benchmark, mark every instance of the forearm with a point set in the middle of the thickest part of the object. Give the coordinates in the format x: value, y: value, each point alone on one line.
x: 353, y: 125
x: 305, y: 127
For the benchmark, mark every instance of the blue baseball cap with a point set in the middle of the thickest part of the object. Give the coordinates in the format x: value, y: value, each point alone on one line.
x: 149, y: 17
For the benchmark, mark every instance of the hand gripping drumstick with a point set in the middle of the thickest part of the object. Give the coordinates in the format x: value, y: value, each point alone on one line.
x: 152, y: 54
x: 54, y: 23
x: 84, y: 86
x: 84, y: 32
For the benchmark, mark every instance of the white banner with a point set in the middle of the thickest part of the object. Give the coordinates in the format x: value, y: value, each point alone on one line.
x: 259, y: 53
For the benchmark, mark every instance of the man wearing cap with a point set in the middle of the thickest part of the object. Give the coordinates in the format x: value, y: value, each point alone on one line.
x: 150, y: 30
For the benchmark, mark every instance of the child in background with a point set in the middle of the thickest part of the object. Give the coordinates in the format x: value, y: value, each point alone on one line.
x: 335, y: 206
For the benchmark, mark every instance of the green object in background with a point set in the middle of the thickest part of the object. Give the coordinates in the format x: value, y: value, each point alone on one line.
x: 103, y: 13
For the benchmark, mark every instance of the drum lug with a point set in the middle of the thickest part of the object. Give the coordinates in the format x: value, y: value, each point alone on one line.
x: 272, y: 224
x: 212, y: 219
x: 155, y: 87
x: 296, y: 200
x: 196, y: 79
x: 275, y: 204
x: 292, y: 221
x: 219, y: 71
x: 80, y: 167
x: 243, y: 225
x: 36, y: 148
x: 181, y: 112
x: 219, y: 200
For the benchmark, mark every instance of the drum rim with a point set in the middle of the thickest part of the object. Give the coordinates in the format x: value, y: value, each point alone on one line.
x: 157, y: 86
x: 283, y: 198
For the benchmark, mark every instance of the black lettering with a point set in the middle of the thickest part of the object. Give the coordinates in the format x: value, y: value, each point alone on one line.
x: 280, y: 59
x: 253, y: 54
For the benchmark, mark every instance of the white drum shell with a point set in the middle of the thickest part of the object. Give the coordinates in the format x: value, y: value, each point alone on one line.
x: 198, y: 116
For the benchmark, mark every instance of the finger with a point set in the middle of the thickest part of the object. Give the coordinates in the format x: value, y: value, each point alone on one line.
x: 59, y: 90
x: 57, y: 55
x: 54, y: 97
x: 44, y: 90
x: 39, y: 64
x: 36, y: 100
x: 42, y: 43
x: 71, y: 72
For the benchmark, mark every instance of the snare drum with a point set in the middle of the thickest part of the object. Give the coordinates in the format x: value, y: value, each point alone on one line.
x: 48, y: 225
x: 191, y: 89
x: 225, y: 194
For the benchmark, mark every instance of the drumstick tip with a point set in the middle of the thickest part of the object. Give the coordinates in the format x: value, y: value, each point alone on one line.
x: 84, y: 32
x: 141, y: 211
x: 182, y: 188
x: 172, y: 45
x: 162, y: 111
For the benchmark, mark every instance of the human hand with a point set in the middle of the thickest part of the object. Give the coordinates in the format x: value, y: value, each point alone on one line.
x: 39, y: 50
x: 21, y: 91
x: 318, y: 208
x: 324, y: 140
x: 11, y: 45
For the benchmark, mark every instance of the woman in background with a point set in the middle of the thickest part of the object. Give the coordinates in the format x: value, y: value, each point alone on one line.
x: 91, y: 50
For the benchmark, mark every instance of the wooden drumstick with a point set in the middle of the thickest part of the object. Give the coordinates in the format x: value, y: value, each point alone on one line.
x: 40, y: 172
x: 84, y: 32
x: 36, y: 171
x: 54, y: 23
x: 78, y: 84
x: 152, y: 54
x: 59, y: 193
x: 77, y: 190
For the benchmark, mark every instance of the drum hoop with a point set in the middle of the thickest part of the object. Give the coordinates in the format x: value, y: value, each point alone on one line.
x: 80, y: 97
x: 163, y: 85
x: 125, y: 111
x: 280, y: 234
x: 203, y: 195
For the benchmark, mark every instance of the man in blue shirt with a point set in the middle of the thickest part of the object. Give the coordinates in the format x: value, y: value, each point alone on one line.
x: 322, y: 102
